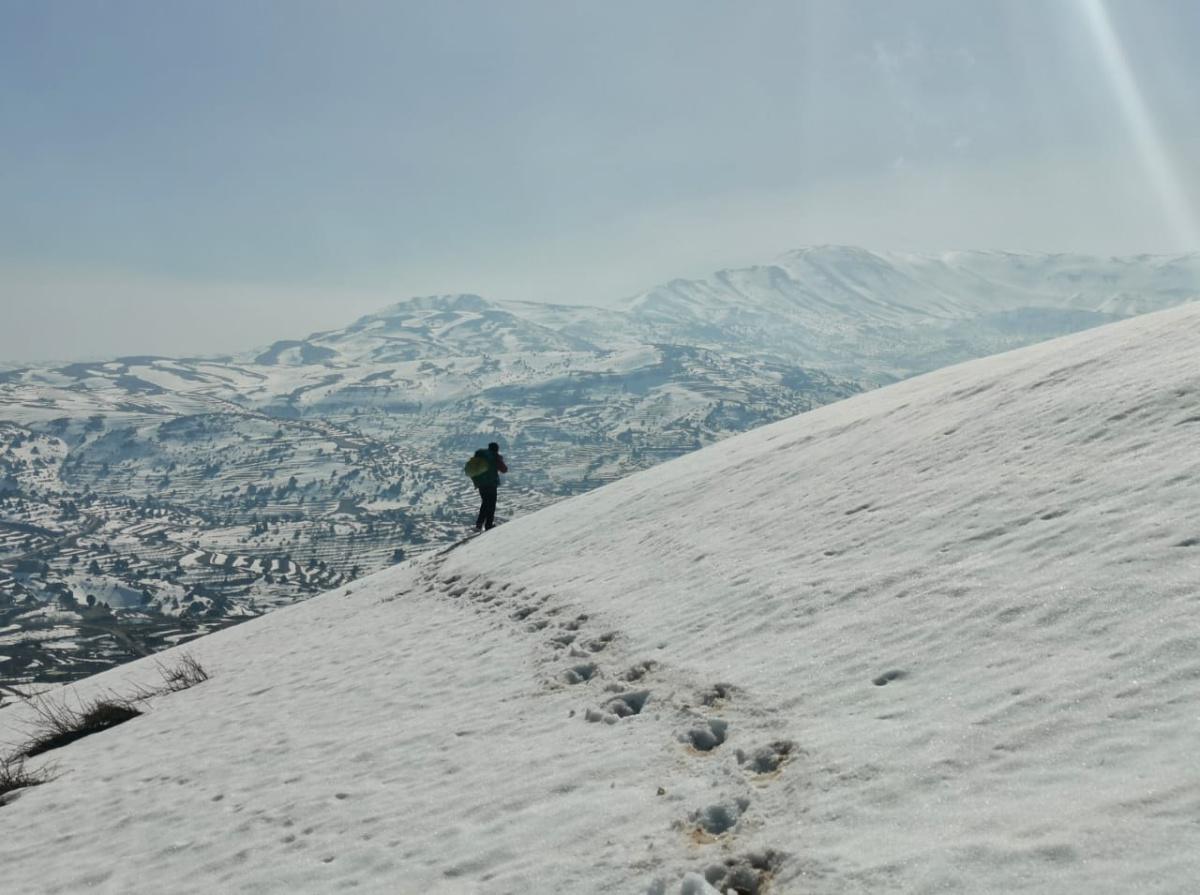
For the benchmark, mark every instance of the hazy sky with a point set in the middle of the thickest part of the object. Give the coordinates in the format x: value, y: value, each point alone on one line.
x: 206, y: 176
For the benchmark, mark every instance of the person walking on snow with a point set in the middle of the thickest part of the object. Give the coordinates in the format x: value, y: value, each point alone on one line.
x: 484, y: 469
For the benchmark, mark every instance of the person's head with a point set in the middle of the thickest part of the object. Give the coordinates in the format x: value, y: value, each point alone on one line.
x: 493, y: 447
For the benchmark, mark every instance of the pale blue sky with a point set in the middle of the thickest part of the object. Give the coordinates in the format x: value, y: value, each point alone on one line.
x: 206, y: 176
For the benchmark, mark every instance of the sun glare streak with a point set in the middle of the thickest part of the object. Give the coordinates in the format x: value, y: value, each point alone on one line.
x: 1154, y: 157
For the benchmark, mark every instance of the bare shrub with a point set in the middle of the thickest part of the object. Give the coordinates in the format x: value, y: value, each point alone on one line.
x: 58, y: 724
x: 14, y: 776
x: 186, y: 673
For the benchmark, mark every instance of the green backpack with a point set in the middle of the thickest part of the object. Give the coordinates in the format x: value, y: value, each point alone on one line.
x: 476, y: 467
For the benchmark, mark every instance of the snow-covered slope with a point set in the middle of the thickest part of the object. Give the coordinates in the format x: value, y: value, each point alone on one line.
x: 944, y: 632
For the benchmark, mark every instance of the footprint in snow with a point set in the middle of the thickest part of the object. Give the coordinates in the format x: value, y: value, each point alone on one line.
x: 624, y: 706
x: 716, y: 820
x: 639, y: 671
x: 716, y: 694
x: 748, y: 874
x: 707, y: 736
x: 767, y: 759
x: 578, y: 674
x: 601, y: 643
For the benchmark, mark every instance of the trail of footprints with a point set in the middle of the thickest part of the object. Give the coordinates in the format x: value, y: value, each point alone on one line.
x: 577, y: 654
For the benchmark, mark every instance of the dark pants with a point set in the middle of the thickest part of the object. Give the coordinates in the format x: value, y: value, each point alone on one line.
x: 487, y: 507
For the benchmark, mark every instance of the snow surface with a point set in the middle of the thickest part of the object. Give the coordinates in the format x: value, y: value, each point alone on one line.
x: 953, y: 621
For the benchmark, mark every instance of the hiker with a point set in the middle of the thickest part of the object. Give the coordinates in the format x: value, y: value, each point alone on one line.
x: 484, y: 469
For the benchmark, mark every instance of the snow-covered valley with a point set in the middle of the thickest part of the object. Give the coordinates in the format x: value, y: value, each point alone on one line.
x: 938, y: 637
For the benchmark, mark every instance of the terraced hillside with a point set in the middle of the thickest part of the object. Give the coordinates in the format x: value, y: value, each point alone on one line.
x: 137, y: 525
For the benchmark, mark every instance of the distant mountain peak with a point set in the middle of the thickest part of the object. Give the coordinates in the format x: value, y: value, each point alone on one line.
x: 833, y: 250
x: 461, y: 301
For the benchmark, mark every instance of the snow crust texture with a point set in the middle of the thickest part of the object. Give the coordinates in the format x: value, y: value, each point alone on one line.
x: 939, y: 637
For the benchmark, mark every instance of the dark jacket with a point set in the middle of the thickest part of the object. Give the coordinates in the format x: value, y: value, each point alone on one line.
x: 491, y: 478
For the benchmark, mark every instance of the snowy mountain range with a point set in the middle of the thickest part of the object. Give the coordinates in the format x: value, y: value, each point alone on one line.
x: 889, y: 315
x: 873, y: 315
x: 939, y: 636
x: 184, y: 494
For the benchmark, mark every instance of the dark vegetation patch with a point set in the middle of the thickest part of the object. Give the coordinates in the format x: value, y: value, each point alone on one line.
x: 183, y: 675
x: 186, y: 673
x: 15, y: 776
x: 58, y: 724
